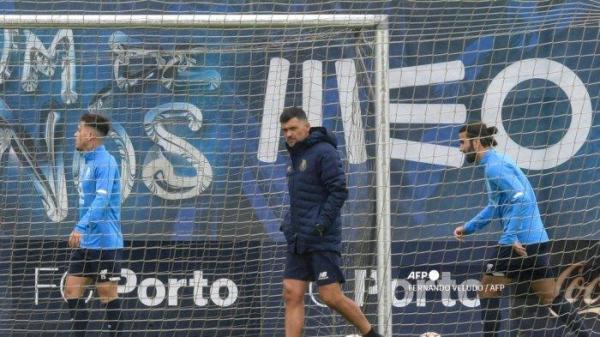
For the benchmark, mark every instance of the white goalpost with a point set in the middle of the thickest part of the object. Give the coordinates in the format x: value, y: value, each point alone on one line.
x: 375, y: 68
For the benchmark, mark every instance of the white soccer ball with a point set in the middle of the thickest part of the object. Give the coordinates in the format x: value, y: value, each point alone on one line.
x: 430, y: 334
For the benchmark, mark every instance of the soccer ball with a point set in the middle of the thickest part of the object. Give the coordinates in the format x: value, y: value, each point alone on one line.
x: 430, y: 334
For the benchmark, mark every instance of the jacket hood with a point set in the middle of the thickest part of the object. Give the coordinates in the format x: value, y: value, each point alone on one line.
x: 317, y: 135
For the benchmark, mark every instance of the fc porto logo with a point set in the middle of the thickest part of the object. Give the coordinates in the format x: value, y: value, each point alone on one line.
x: 88, y: 173
x: 302, y: 166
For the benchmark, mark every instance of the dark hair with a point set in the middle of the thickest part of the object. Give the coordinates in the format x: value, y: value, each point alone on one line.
x: 98, y: 122
x: 481, y: 131
x: 293, y: 112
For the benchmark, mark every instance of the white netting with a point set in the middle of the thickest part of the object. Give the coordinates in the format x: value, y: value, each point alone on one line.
x: 196, y: 134
x: 529, y: 68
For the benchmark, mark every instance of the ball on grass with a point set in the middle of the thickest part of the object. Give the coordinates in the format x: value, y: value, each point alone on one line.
x: 430, y: 334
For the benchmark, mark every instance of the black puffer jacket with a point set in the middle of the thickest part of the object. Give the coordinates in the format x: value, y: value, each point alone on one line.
x: 317, y: 187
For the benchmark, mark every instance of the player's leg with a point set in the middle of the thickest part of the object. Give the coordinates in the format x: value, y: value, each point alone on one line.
x: 107, y: 285
x: 109, y: 297
x: 295, y: 282
x: 539, y: 269
x: 332, y: 295
x: 293, y: 297
x: 75, y: 285
x: 327, y: 270
x: 493, y: 282
x: 489, y: 296
x: 546, y: 290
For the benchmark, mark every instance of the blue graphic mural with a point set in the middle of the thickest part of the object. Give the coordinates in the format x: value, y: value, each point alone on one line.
x: 188, y: 123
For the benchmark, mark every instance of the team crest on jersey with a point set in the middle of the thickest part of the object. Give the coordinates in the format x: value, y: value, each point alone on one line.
x: 290, y: 169
x: 302, y: 166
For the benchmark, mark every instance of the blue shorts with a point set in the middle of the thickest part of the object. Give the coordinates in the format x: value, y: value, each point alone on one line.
x: 100, y: 265
x: 320, y: 267
x: 535, y: 266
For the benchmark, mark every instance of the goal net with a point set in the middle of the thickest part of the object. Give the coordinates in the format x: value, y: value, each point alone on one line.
x: 196, y: 134
x: 203, y: 163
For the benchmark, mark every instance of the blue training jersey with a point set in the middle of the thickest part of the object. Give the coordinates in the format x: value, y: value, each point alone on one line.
x: 99, y: 201
x: 511, y: 200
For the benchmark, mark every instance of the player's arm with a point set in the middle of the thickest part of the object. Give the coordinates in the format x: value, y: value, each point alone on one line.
x: 479, y: 221
x: 105, y: 174
x: 482, y: 219
x: 508, y: 184
x: 333, y: 177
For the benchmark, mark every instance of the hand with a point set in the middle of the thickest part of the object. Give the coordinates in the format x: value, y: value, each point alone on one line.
x: 319, y: 229
x: 459, y: 233
x: 74, y: 239
x: 518, y: 247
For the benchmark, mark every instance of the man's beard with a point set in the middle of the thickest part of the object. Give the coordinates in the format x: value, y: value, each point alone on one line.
x: 471, y: 157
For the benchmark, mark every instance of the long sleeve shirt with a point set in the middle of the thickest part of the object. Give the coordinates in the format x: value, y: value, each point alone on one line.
x: 511, y: 199
x: 99, y: 201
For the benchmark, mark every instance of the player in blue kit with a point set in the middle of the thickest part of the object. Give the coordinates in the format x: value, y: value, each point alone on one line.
x: 523, y: 250
x: 96, y: 239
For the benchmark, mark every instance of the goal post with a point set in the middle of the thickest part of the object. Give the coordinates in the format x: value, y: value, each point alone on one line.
x: 194, y: 20
x: 377, y: 23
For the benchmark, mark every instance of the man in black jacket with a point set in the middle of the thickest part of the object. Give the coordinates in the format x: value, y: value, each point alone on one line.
x: 312, y: 227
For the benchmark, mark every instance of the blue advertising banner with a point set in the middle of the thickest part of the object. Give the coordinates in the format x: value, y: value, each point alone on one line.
x: 220, y: 288
x: 169, y: 289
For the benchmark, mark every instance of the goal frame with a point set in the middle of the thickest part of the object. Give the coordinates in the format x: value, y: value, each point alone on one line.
x: 381, y: 88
